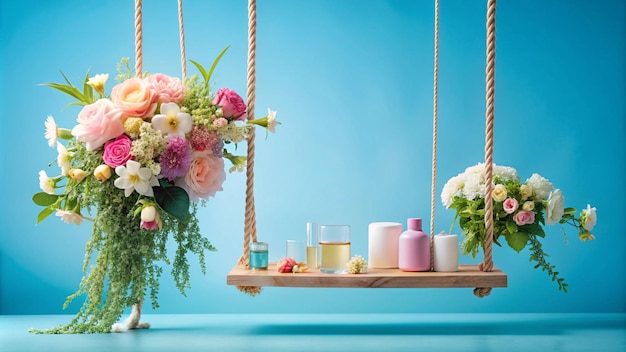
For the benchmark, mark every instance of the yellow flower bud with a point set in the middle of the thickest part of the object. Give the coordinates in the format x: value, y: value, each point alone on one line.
x: 97, y: 82
x: 529, y: 205
x: 77, y: 174
x: 102, y: 172
x: 527, y: 191
x: 499, y: 193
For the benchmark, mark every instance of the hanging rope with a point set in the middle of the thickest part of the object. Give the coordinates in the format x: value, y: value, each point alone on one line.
x: 250, y: 215
x: 487, y: 264
x: 433, y: 181
x: 183, y: 59
x: 138, y: 40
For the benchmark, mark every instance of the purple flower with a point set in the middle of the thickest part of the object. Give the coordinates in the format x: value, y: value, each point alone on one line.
x: 176, y: 158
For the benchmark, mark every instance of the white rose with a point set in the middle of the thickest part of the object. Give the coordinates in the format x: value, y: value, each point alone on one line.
x: 589, y: 218
x: 555, y: 207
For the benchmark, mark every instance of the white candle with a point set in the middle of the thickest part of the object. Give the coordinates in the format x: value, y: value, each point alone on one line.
x: 446, y: 252
x: 383, y: 244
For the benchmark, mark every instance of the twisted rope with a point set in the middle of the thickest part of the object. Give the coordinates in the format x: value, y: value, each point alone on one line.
x: 183, y: 60
x: 433, y: 181
x: 250, y: 214
x: 138, y: 40
x: 487, y: 264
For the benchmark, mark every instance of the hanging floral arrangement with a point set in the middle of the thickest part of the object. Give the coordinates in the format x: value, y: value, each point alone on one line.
x: 141, y: 159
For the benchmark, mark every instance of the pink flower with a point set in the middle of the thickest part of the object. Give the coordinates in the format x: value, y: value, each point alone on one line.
x: 135, y: 98
x: 205, y: 176
x: 117, y: 152
x: 176, y: 158
x: 98, y: 122
x: 285, y: 265
x: 202, y: 139
x: 150, y: 219
x: 232, y: 104
x: 510, y: 205
x: 168, y: 89
x: 524, y: 217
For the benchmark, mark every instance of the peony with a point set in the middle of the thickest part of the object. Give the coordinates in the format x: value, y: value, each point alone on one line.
x: 117, y: 152
x: 135, y: 98
x: 204, y: 177
x: 524, y: 217
x: 540, y: 185
x: 555, y: 207
x: 98, y: 122
x: 285, y: 265
x: 588, y: 218
x: 510, y: 205
x: 231, y: 103
x: 168, y: 89
x: 499, y: 193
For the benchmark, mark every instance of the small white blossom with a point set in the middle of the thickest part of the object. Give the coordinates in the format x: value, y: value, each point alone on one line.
x: 133, y: 177
x: 588, y: 218
x: 63, y: 159
x: 51, y: 131
x: 171, y: 121
x: 69, y: 217
x: 46, y: 183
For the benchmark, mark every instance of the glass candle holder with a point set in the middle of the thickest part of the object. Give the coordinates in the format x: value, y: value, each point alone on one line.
x: 258, y: 256
x: 312, y: 260
x: 334, y: 248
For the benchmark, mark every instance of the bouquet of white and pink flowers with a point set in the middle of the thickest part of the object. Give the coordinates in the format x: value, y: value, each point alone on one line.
x: 140, y: 160
x: 520, y: 210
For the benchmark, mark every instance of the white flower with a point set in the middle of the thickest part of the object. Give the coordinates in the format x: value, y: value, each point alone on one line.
x: 541, y: 186
x: 526, y: 190
x: 171, y: 121
x: 588, y: 218
x: 63, y: 159
x: 474, y: 186
x: 69, y: 217
x: 133, y: 177
x: 51, y: 131
x: 47, y: 184
x: 505, y: 172
x: 555, y: 207
x: 452, y: 188
x: 271, y: 121
x: 98, y: 81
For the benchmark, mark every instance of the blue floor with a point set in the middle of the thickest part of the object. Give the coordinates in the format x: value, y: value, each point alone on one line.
x: 354, y: 332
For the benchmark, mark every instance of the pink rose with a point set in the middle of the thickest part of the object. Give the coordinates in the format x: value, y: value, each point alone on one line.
x: 168, y: 89
x: 205, y: 176
x: 117, y: 152
x: 524, y: 217
x: 97, y: 123
x: 285, y: 265
x: 232, y: 104
x: 510, y: 205
x: 135, y: 98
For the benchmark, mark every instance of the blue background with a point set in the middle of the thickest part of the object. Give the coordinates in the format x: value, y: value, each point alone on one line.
x: 352, y: 83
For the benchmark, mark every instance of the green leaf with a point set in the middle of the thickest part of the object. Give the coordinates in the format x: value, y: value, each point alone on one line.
x: 518, y: 240
x: 203, y: 72
x: 174, y: 200
x: 217, y: 59
x: 44, y: 199
x: 535, y: 229
x: 69, y: 90
x: 44, y: 214
x: 87, y: 90
x: 511, y: 226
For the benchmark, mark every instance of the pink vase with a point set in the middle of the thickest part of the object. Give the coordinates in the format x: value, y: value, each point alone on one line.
x: 414, y: 247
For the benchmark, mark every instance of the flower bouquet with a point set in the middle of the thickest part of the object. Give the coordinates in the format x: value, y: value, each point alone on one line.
x: 140, y: 160
x: 520, y: 210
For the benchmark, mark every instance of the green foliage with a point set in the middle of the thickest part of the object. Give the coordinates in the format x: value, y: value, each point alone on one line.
x: 174, y: 200
x: 84, y: 97
x: 207, y: 75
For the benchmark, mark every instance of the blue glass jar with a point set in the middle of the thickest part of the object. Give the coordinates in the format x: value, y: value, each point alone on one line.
x: 258, y: 255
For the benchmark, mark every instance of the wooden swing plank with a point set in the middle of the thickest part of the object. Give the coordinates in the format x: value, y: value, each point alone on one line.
x: 468, y: 276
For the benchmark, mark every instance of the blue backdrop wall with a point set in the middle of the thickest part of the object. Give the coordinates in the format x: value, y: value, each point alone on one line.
x: 352, y: 83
